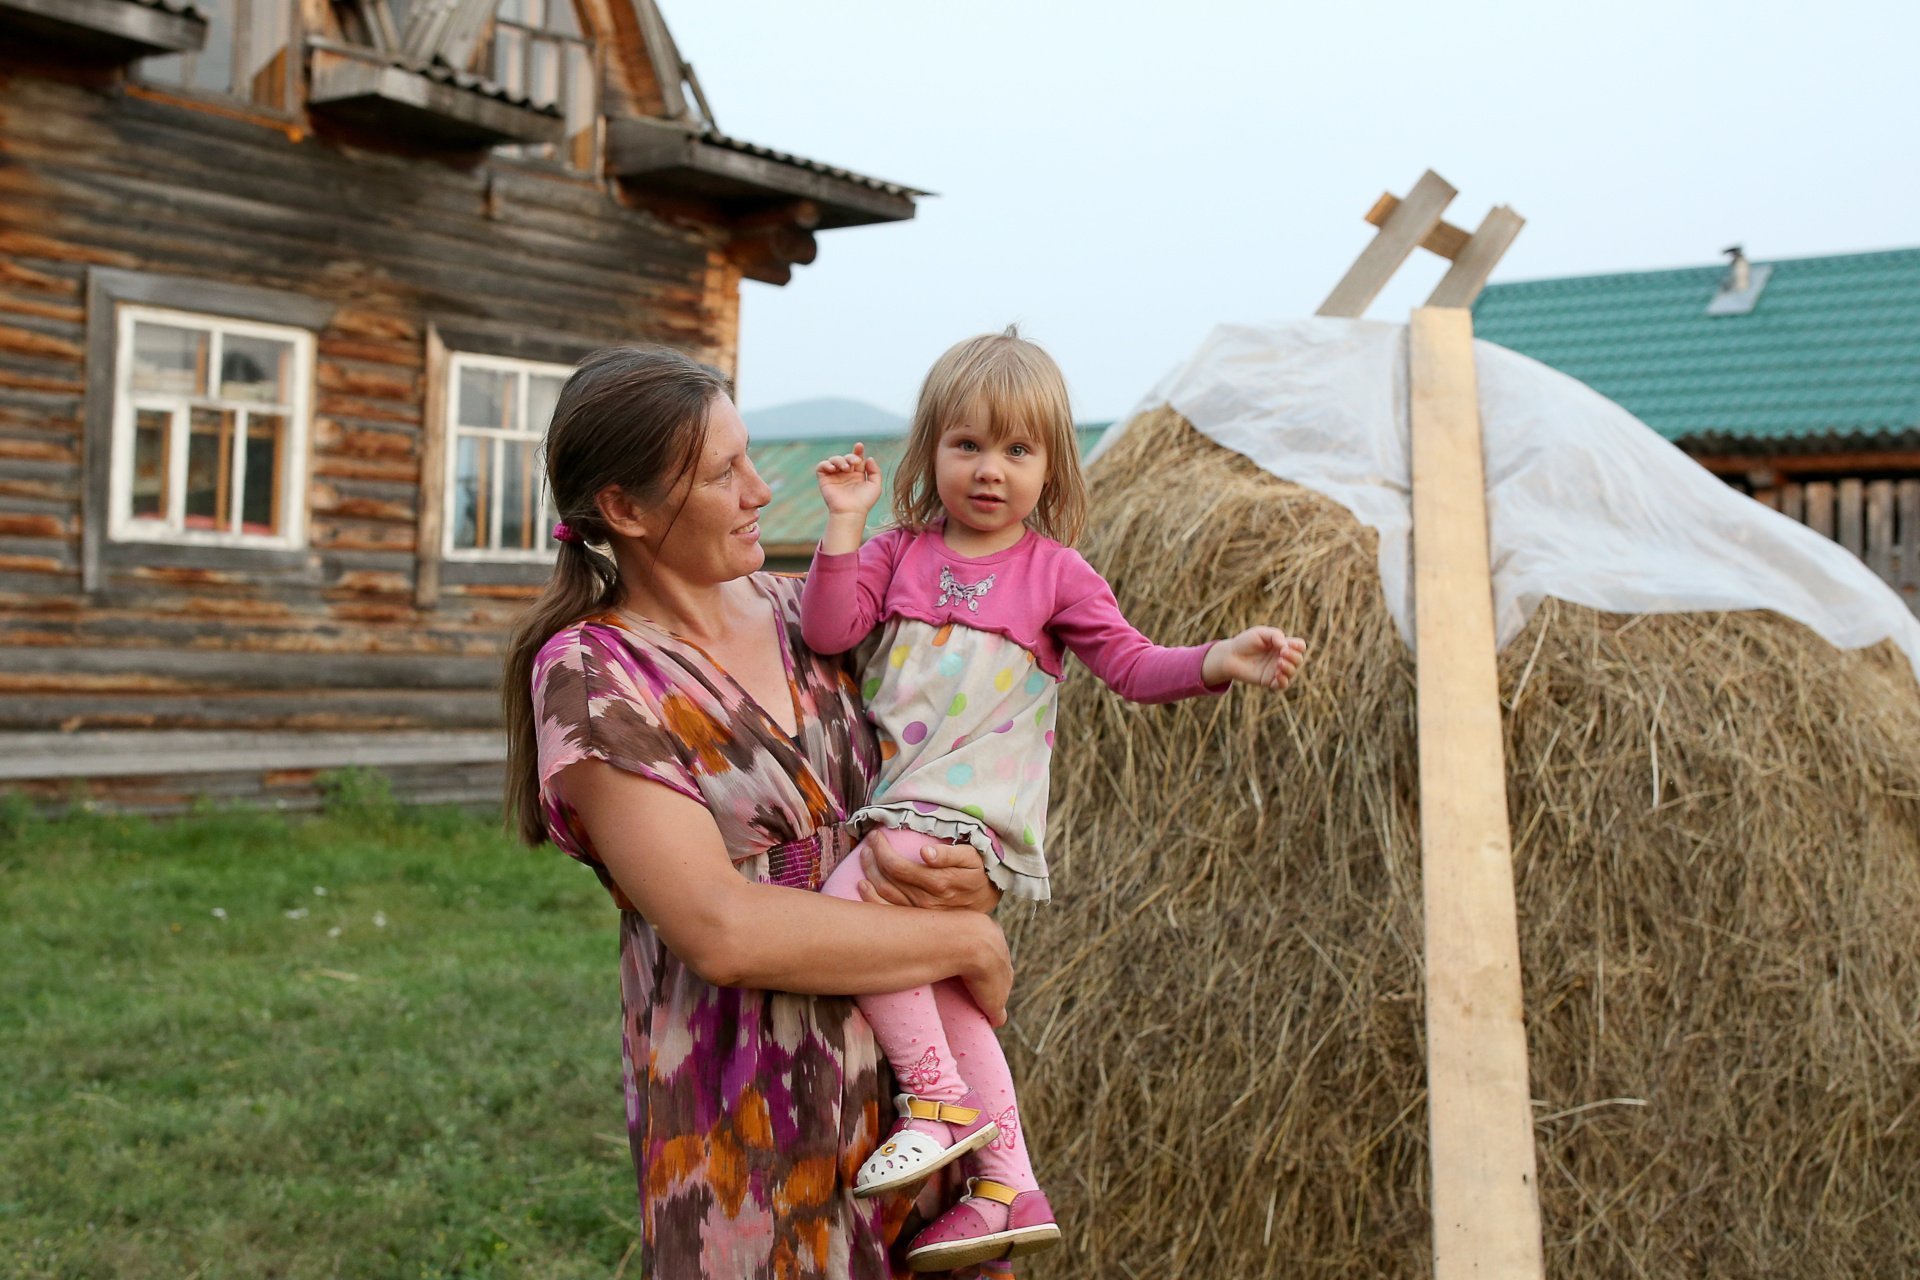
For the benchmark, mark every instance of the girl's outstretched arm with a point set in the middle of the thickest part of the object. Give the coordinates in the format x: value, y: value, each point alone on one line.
x: 1097, y: 633
x: 1265, y: 656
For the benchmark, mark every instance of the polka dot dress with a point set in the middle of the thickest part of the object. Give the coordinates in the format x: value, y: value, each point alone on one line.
x: 965, y: 721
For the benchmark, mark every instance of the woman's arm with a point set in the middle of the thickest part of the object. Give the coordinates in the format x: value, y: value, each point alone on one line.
x: 666, y: 855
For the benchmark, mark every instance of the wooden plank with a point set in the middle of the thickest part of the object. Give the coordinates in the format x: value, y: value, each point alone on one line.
x: 1879, y: 530
x: 131, y: 753
x: 312, y: 709
x: 1486, y: 1206
x: 1819, y: 501
x: 1408, y: 225
x: 1801, y: 466
x: 1850, y: 508
x: 1793, y: 502
x: 1445, y: 240
x: 433, y: 478
x: 1475, y: 263
x: 1909, y: 534
x: 94, y: 667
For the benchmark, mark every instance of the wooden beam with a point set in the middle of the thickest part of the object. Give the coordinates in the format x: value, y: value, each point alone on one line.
x: 134, y: 752
x: 1791, y: 465
x: 1486, y: 1205
x: 1476, y: 261
x: 1400, y: 235
x: 433, y: 474
x: 1445, y: 239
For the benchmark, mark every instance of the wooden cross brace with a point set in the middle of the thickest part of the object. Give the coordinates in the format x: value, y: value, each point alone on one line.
x: 1415, y: 222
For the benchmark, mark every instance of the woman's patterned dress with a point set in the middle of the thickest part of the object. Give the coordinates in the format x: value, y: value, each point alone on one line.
x: 749, y: 1112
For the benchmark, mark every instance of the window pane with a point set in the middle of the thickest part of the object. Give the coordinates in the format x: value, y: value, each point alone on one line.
x: 519, y: 495
x: 260, y: 510
x: 209, y: 469
x: 510, y: 59
x: 150, y: 431
x: 486, y: 398
x: 582, y: 110
x: 543, y: 73
x: 526, y: 12
x: 254, y: 369
x: 264, y: 52
x: 212, y: 68
x: 542, y: 391
x: 561, y: 17
x: 170, y: 359
x: 471, y: 490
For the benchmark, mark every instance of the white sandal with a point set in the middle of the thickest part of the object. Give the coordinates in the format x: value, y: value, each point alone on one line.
x: 909, y: 1155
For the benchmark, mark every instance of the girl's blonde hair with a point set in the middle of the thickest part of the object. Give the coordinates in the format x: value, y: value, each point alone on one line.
x: 1023, y: 393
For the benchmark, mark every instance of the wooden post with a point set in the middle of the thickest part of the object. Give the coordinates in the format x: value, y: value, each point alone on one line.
x: 435, y: 430
x: 1486, y: 1204
x: 1411, y: 221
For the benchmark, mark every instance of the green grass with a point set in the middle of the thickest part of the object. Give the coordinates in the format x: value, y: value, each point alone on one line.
x: 412, y: 1074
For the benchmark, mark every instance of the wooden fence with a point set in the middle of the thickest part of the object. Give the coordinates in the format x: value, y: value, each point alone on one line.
x: 1877, y: 520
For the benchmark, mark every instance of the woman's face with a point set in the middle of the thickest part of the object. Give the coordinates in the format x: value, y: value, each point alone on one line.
x: 715, y: 534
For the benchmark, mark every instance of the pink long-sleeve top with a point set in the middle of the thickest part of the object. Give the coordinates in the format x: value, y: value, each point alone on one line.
x: 1041, y: 595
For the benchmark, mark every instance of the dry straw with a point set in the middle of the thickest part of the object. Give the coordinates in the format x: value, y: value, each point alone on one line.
x: 1716, y: 822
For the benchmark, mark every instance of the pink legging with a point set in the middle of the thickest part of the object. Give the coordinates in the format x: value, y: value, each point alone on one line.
x: 941, y: 1045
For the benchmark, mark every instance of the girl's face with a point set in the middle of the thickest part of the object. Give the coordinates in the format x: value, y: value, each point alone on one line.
x: 990, y: 486
x: 715, y: 534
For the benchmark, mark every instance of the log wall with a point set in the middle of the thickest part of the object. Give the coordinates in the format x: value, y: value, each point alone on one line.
x: 96, y: 172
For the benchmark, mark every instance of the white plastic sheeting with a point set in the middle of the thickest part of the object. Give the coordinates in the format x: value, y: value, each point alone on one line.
x: 1585, y: 502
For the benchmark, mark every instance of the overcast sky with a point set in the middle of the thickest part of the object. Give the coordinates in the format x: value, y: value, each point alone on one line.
x: 1119, y: 176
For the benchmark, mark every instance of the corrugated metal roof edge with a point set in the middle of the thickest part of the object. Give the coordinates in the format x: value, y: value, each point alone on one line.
x: 1714, y: 267
x: 719, y: 139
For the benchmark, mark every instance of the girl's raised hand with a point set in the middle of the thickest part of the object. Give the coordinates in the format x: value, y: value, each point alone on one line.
x: 849, y: 482
x: 1259, y: 655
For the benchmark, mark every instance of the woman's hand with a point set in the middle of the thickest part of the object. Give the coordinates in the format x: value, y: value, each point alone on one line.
x: 1259, y: 655
x: 946, y: 877
x: 989, y: 975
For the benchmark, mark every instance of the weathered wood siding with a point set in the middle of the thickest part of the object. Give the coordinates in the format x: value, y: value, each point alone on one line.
x: 97, y: 173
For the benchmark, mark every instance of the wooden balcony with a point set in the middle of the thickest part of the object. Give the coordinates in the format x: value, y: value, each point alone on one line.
x: 426, y: 104
x: 111, y: 31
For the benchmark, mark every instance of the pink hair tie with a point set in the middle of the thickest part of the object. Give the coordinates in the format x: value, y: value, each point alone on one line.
x: 564, y: 532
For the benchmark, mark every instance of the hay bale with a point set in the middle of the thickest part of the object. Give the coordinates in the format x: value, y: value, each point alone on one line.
x: 1716, y: 824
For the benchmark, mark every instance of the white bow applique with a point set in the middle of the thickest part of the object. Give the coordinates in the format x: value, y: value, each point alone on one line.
x: 952, y: 589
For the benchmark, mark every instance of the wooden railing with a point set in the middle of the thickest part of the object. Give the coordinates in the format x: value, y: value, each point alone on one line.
x: 1877, y: 520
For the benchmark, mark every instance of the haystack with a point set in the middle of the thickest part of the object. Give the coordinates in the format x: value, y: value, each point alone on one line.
x: 1716, y: 827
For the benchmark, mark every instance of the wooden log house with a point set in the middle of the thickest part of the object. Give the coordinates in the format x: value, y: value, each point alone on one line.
x: 1796, y: 381
x: 287, y: 289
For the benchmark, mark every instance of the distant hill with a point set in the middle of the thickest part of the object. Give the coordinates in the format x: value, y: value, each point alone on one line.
x: 827, y: 416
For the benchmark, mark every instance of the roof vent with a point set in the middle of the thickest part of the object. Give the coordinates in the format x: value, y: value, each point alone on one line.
x: 1740, y: 287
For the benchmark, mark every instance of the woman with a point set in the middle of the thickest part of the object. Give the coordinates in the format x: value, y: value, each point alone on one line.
x: 669, y: 728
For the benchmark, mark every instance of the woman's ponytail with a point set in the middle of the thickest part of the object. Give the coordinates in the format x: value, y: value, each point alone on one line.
x: 632, y: 418
x: 584, y: 583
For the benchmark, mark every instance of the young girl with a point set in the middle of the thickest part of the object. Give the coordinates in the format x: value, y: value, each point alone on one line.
x: 979, y: 597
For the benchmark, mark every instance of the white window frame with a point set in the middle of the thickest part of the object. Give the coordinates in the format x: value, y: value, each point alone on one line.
x: 543, y: 549
x: 122, y: 526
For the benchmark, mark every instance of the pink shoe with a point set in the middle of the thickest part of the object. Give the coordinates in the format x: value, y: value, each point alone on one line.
x: 909, y: 1155
x: 960, y: 1236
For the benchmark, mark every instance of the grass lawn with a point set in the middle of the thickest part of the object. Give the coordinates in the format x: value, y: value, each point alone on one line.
x: 365, y: 1043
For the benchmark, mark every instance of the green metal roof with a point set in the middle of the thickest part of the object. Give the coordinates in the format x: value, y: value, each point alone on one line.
x: 1829, y: 357
x: 795, y: 517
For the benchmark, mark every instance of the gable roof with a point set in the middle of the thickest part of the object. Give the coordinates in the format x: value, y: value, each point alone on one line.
x: 1828, y: 359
